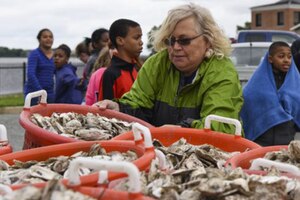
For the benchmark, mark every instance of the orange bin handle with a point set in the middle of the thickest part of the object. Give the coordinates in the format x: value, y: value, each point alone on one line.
x: 237, y: 123
x: 121, y: 166
x: 40, y: 93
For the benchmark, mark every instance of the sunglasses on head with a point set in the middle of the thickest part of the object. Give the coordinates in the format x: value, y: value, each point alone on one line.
x: 181, y: 41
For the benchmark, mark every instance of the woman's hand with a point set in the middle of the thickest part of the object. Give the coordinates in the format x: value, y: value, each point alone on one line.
x: 107, y: 104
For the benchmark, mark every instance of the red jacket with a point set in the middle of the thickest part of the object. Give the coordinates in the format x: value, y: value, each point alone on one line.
x: 117, y: 79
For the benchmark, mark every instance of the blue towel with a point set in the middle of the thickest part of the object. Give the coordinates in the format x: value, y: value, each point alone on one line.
x: 264, y: 105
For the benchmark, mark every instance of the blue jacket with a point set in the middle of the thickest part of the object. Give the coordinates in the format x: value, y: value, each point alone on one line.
x: 67, y: 89
x: 40, y: 73
x: 264, y: 105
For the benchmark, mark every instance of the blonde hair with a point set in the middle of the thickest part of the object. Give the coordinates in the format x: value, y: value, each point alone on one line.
x: 103, y: 60
x: 205, y: 24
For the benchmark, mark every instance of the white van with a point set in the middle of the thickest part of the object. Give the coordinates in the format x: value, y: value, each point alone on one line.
x: 247, y: 56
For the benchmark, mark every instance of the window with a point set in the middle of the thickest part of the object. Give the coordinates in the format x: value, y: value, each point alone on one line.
x: 255, y: 37
x: 258, y: 19
x: 285, y: 38
x: 280, y: 19
x: 296, y: 18
x: 248, y: 56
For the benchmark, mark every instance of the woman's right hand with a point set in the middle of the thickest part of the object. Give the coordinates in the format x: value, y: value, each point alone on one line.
x: 107, y: 104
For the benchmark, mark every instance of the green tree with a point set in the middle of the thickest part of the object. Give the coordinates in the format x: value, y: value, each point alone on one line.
x: 6, y: 52
x: 247, y: 26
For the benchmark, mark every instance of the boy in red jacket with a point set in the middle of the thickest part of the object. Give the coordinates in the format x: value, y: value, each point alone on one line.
x: 126, y: 37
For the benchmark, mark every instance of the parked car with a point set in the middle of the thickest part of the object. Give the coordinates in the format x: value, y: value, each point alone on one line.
x: 247, y: 56
x: 266, y: 36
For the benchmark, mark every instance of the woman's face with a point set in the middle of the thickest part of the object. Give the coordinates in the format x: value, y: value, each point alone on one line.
x: 46, y: 39
x: 187, y: 57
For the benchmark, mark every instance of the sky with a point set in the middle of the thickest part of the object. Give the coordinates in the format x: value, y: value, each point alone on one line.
x: 72, y: 20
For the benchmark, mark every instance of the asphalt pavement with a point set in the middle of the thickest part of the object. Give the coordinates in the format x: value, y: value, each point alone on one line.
x: 15, y: 131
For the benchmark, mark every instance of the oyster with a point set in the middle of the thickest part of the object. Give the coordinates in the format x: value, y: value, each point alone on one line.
x: 83, y: 127
x: 55, y: 167
x: 53, y: 190
x: 294, y: 150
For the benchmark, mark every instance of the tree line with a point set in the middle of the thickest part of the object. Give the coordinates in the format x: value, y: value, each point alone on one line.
x: 6, y: 52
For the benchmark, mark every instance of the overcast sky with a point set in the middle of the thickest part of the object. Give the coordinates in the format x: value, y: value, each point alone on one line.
x: 71, y: 20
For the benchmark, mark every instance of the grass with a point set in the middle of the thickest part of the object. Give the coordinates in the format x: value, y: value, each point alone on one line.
x: 12, y: 100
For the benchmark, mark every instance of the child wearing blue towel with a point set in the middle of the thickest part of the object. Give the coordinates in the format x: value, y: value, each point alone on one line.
x: 271, y: 110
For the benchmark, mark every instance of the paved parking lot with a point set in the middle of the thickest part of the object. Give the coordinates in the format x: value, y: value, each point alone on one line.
x: 15, y: 131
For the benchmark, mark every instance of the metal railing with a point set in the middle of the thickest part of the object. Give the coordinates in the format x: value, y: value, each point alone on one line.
x: 13, y: 76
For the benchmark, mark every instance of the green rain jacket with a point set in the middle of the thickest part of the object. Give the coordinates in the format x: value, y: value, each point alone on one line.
x: 159, y: 97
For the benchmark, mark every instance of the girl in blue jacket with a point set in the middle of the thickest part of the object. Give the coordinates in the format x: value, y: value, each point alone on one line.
x: 40, y: 67
x: 68, y: 86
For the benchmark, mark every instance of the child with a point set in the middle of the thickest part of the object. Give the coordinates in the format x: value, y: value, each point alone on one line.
x: 83, y: 50
x: 100, y: 65
x: 126, y: 36
x: 67, y: 83
x: 99, y: 40
x: 271, y: 110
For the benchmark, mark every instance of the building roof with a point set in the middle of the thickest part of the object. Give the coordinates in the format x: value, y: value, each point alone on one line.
x: 278, y: 3
x: 295, y: 28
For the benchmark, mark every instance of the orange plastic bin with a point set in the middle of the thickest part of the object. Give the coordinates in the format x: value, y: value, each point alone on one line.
x: 226, y: 142
x: 144, y: 150
x: 245, y: 159
x: 99, y: 193
x: 103, y: 193
x: 36, y: 136
x: 134, y: 179
x: 5, y: 147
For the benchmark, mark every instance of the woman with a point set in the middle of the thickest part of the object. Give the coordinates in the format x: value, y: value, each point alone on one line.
x: 189, y: 78
x: 40, y: 67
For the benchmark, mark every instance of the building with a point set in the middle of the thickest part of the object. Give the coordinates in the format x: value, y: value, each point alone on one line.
x: 281, y: 15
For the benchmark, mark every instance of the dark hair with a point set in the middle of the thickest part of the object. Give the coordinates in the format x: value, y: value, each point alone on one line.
x: 82, y: 47
x: 39, y: 35
x: 66, y: 49
x: 296, y: 52
x: 276, y: 45
x: 119, y: 28
x: 87, y: 41
x: 97, y: 34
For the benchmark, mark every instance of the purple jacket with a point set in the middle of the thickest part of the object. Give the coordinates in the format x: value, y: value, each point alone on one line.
x: 67, y: 89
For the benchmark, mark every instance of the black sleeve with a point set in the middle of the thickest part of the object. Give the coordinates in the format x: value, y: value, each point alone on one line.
x: 187, y: 123
x: 108, y: 81
x: 141, y: 113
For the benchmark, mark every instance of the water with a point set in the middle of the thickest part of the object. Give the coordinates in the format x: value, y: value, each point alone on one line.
x: 11, y: 61
x: 12, y: 74
x: 18, y: 60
